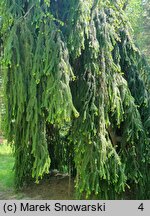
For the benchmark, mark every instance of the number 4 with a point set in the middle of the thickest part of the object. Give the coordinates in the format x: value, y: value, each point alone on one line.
x: 141, y: 207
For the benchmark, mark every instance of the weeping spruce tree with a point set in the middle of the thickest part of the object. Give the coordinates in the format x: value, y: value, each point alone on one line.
x: 76, y: 95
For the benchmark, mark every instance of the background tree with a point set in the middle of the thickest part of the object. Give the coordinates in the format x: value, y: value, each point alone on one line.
x: 138, y: 12
x: 75, y: 95
x: 146, y: 33
x: 1, y: 84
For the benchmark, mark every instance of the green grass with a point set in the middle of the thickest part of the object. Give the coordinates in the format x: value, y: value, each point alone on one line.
x: 47, y: 189
x: 6, y: 167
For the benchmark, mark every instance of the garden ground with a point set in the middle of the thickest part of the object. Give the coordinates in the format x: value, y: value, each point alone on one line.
x: 53, y: 188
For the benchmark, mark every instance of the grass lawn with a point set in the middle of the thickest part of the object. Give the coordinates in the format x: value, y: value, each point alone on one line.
x: 50, y: 189
x: 6, y: 167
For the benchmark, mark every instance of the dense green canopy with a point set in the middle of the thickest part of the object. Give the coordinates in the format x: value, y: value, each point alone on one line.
x: 76, y: 95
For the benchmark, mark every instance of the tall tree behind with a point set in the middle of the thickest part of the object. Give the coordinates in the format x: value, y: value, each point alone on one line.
x: 146, y: 33
x: 1, y: 82
x: 138, y: 12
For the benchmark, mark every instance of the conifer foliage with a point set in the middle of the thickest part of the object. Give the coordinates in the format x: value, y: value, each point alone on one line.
x: 75, y: 95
